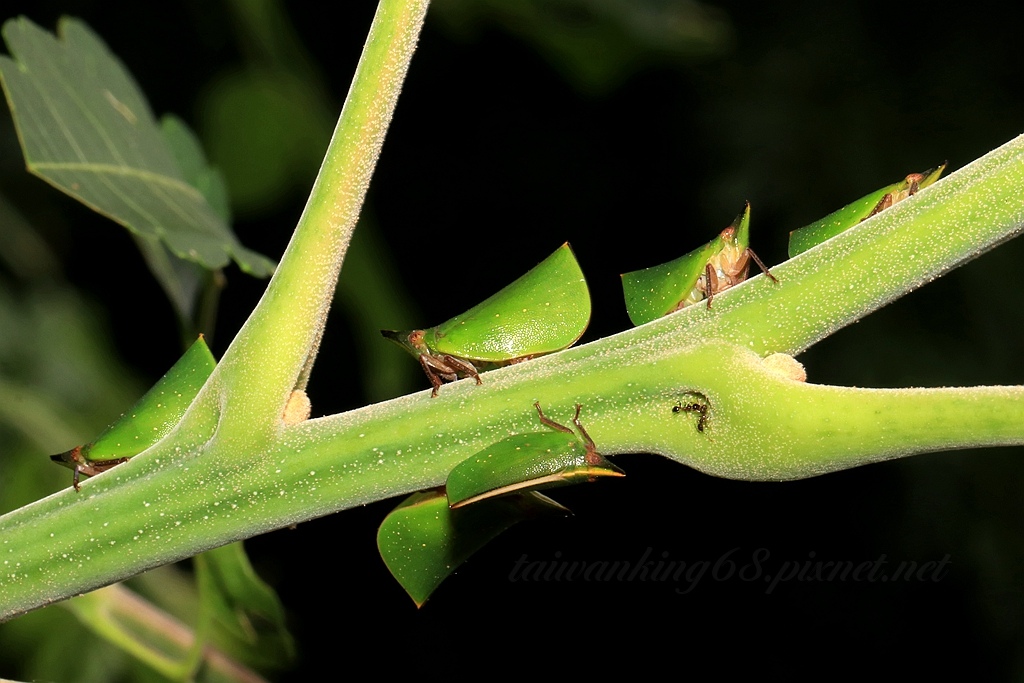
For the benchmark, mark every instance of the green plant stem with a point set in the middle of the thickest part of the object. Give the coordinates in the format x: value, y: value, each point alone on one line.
x: 151, y: 635
x: 232, y: 469
x: 282, y: 334
x: 760, y: 426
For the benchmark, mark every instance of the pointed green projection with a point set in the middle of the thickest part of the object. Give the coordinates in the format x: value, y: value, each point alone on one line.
x: 86, y: 129
x: 544, y: 311
x: 423, y: 540
x: 529, y: 462
x: 699, y: 275
x: 146, y: 422
x: 850, y: 215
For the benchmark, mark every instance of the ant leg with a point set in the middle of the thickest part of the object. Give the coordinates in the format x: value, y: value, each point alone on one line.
x: 695, y: 407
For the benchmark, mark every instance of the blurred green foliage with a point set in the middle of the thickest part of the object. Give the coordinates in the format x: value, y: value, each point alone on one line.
x: 598, y: 44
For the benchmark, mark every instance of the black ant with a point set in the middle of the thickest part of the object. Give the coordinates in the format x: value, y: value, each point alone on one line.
x: 700, y: 407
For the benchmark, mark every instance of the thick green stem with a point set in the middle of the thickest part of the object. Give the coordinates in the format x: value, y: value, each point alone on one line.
x: 161, y: 507
x: 264, y: 362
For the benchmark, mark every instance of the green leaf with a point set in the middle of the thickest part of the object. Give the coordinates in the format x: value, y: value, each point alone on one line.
x: 243, y: 607
x: 188, y: 153
x: 86, y: 129
x: 181, y: 280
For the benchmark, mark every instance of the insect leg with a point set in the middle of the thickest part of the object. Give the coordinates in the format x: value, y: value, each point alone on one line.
x: 915, y: 184
x: 883, y: 204
x: 549, y: 422
x: 760, y: 264
x: 463, y: 366
x: 91, y: 469
x: 593, y: 457
x: 434, y: 373
x: 710, y: 283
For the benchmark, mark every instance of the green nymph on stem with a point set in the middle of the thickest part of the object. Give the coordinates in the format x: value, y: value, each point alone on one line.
x: 146, y: 422
x: 804, y: 238
x: 232, y: 468
x: 544, y: 311
x: 427, y: 537
x: 699, y: 275
x: 528, y: 462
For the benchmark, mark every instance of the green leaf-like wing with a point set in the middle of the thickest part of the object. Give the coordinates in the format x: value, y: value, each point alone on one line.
x: 152, y: 416
x: 545, y: 310
x: 657, y: 291
x: 812, y: 235
x: 525, y: 462
x: 86, y: 129
x: 422, y: 540
x: 802, y: 239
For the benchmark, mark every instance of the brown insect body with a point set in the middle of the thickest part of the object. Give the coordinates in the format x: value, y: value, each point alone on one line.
x: 913, y: 184
x: 81, y: 466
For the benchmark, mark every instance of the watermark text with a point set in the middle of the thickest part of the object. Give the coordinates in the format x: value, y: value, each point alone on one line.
x: 733, y: 565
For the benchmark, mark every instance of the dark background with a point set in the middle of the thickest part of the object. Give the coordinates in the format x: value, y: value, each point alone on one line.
x: 514, y: 134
